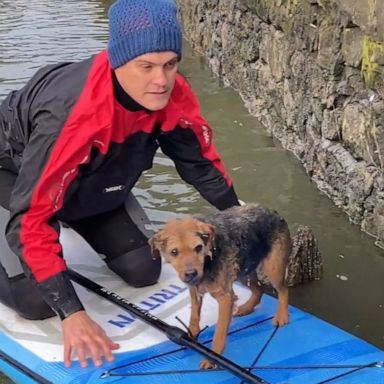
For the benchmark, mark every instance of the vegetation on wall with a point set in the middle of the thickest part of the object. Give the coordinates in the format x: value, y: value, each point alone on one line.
x: 369, y: 66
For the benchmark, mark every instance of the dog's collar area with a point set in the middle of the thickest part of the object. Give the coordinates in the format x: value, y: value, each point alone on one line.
x: 212, y: 256
x: 210, y: 262
x: 207, y: 265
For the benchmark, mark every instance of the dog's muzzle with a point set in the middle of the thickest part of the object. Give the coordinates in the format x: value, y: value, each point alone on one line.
x: 190, y: 276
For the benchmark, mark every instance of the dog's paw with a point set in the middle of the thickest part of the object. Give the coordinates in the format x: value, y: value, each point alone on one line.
x: 243, y: 310
x: 194, y: 331
x: 281, y: 319
x: 207, y: 364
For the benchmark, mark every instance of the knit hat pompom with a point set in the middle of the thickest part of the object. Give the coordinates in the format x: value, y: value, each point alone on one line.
x: 137, y: 27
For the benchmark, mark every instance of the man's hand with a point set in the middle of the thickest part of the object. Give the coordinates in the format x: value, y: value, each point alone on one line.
x: 85, y: 337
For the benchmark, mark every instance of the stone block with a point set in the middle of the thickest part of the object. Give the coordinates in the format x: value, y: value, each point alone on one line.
x: 378, y: 215
x: 361, y: 14
x: 352, y: 46
x: 328, y: 56
x: 357, y: 128
x: 380, y: 20
x: 331, y: 124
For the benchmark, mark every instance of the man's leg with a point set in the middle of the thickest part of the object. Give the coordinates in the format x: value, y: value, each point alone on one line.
x: 20, y: 294
x: 16, y: 290
x: 121, y: 236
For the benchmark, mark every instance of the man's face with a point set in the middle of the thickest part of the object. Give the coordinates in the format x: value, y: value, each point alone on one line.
x: 149, y: 78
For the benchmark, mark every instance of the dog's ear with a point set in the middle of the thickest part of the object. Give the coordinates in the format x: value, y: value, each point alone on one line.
x: 207, y: 232
x: 156, y: 242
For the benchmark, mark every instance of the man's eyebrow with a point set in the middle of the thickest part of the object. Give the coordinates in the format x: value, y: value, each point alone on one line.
x: 141, y: 61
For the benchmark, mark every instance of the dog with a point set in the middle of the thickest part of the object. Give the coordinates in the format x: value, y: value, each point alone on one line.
x: 209, y: 252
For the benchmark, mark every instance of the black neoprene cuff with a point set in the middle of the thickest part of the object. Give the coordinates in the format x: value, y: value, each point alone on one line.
x: 59, y: 294
x: 227, y: 200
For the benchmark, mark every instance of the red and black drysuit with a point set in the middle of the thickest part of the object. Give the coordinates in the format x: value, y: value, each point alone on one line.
x: 78, y: 152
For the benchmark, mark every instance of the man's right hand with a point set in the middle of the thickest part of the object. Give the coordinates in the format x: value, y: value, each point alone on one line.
x: 83, y: 337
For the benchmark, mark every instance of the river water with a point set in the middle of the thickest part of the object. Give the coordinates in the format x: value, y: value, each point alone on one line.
x: 351, y: 293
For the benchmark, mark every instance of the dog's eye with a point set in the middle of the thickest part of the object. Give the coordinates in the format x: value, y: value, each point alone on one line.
x: 174, y: 252
x: 198, y: 248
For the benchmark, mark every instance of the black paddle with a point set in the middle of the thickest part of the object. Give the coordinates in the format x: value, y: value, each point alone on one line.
x: 173, y: 333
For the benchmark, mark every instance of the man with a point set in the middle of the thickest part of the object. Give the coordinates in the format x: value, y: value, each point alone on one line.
x: 74, y: 141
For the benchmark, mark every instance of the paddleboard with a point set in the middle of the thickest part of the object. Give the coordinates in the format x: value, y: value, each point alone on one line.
x: 306, y: 351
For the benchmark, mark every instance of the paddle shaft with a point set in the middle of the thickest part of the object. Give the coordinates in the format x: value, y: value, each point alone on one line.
x: 25, y: 370
x: 175, y: 334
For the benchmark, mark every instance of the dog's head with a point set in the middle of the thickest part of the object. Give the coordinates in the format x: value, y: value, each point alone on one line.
x: 185, y: 244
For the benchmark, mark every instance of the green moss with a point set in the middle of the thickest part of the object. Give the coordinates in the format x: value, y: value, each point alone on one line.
x: 291, y: 6
x: 369, y: 68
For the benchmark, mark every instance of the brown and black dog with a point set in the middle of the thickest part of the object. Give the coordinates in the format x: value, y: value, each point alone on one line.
x: 211, y: 251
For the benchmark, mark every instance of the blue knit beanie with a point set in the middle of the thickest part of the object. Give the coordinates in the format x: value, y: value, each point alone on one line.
x: 137, y: 27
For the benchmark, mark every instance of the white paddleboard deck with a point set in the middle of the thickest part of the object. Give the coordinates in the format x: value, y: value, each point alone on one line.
x: 168, y: 299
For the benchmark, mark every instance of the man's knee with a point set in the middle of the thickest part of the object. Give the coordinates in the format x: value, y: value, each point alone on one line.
x: 34, y: 310
x: 137, y: 267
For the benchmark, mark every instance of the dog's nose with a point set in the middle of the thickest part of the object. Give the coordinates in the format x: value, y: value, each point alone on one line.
x: 190, y: 275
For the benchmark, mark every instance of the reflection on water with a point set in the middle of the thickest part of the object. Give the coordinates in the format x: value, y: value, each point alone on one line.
x: 36, y: 32
x: 351, y: 294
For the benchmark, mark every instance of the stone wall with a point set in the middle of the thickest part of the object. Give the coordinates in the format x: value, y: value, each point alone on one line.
x: 312, y: 71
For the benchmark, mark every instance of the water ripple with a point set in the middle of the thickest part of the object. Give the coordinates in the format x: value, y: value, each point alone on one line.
x: 46, y: 32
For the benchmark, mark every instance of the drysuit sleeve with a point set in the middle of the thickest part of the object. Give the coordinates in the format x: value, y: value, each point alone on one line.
x: 33, y: 231
x: 187, y: 140
x: 51, y: 109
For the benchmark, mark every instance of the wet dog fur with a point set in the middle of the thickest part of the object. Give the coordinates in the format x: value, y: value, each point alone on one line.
x: 209, y: 252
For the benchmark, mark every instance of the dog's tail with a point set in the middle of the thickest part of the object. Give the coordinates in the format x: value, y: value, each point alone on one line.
x: 305, y: 262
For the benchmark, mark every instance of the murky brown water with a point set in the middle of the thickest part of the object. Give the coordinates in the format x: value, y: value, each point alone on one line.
x: 351, y: 294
